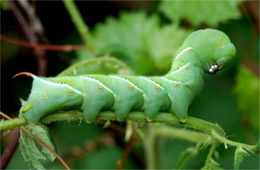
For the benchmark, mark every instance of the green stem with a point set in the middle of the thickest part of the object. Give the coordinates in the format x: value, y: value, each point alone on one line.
x: 233, y: 143
x: 79, y: 23
x: 204, y: 126
x: 162, y: 117
x: 183, y: 134
x: 13, y: 123
x: 211, y: 152
x: 150, y: 149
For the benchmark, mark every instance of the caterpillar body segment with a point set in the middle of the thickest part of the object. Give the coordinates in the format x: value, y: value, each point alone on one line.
x: 189, y: 75
x: 93, y: 92
x: 203, y: 51
x: 179, y: 94
x: 45, y: 93
x: 126, y: 94
x: 155, y: 96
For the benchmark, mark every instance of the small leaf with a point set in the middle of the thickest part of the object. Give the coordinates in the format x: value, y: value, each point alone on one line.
x: 198, y: 12
x: 186, y: 156
x: 247, y: 95
x: 102, y: 65
x: 129, y: 31
x: 163, y: 43
x: 240, y: 153
x: 140, y: 41
x: 33, y: 152
x: 120, y: 52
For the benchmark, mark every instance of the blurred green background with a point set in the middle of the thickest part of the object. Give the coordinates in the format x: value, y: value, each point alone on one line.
x: 149, y: 33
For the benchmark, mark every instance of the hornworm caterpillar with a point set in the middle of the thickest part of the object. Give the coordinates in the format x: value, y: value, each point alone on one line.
x: 203, y: 51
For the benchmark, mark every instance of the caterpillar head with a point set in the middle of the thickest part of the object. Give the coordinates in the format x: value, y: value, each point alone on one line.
x: 213, y: 47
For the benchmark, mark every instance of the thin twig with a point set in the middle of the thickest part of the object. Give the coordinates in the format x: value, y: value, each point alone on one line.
x: 40, y: 141
x: 34, y: 21
x: 120, y: 163
x: 211, y: 153
x: 49, y: 47
x: 29, y: 33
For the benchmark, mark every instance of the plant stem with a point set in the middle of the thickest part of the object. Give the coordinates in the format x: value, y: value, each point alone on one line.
x: 79, y: 23
x: 162, y: 117
x: 150, y: 149
x: 211, y: 152
x: 184, y: 134
x: 204, y: 126
x: 11, y: 124
x: 233, y: 143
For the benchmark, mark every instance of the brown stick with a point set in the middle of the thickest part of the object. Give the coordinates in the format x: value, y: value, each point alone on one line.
x: 29, y: 33
x: 10, y: 149
x: 37, y: 46
x: 128, y: 149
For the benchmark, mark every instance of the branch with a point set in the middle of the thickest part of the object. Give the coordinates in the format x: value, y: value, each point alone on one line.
x: 232, y: 143
x: 194, y: 123
x: 50, y: 47
x: 29, y: 33
x: 183, y: 134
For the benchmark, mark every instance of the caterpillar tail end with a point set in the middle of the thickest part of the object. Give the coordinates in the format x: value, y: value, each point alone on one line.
x: 24, y: 73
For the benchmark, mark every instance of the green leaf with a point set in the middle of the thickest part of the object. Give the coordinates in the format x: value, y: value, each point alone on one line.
x: 147, y: 47
x: 163, y: 44
x: 199, y: 12
x: 102, y: 65
x: 186, y: 156
x: 34, y: 154
x: 247, y: 94
x: 240, y: 153
x: 129, y: 31
x: 120, y: 52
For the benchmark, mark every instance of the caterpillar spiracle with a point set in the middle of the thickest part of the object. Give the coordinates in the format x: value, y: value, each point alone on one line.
x: 203, y: 51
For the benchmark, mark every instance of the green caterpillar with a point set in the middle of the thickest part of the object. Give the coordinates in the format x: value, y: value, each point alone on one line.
x: 205, y: 50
